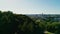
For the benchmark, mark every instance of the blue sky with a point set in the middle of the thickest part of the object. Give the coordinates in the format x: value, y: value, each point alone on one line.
x: 31, y: 6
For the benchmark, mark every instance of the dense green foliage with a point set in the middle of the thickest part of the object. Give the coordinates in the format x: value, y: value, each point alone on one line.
x: 21, y: 24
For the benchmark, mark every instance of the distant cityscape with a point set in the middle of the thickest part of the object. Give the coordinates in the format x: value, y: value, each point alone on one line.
x: 55, y: 17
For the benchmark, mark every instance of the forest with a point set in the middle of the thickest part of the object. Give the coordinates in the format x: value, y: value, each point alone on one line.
x: 11, y: 23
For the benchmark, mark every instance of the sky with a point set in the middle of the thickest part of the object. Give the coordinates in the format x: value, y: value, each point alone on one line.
x: 31, y: 6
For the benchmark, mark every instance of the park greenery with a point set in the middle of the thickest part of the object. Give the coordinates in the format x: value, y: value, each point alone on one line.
x: 11, y: 23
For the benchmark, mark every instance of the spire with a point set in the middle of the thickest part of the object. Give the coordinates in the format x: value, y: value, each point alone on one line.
x: 42, y: 13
